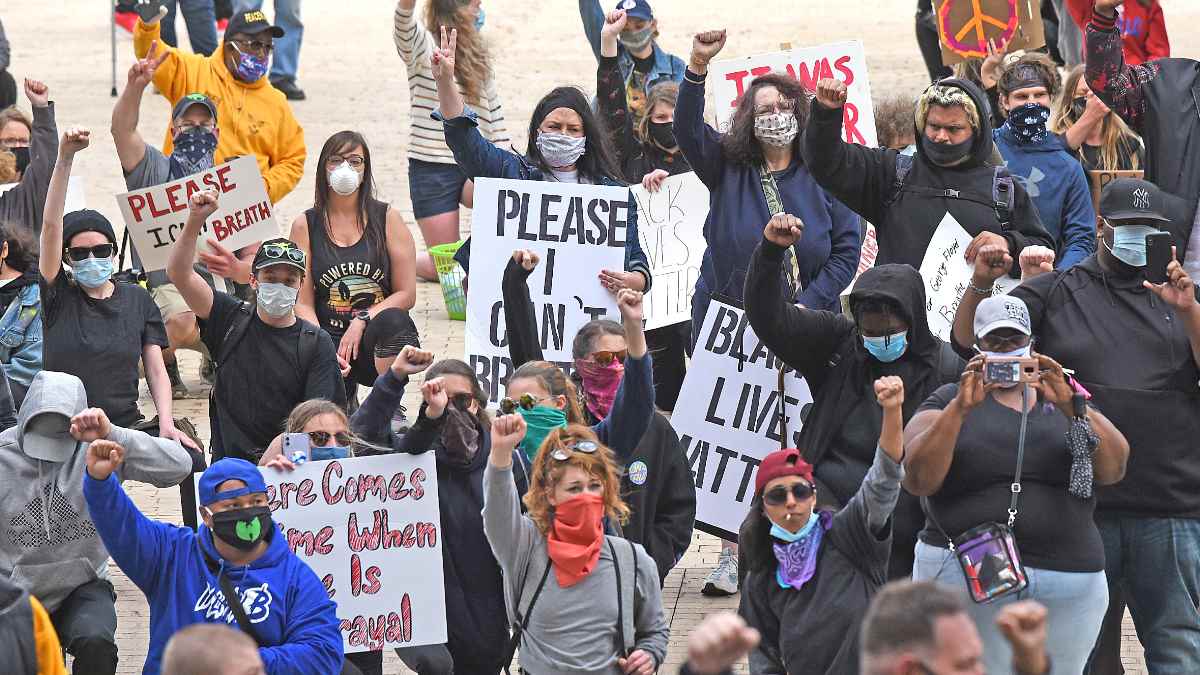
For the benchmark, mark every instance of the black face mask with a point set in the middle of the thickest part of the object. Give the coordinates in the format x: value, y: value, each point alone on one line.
x: 1078, y: 105
x: 22, y: 155
x: 243, y: 528
x: 663, y: 133
x: 946, y: 154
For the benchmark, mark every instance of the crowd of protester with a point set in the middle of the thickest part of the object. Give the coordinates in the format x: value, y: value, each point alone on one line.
x: 992, y: 502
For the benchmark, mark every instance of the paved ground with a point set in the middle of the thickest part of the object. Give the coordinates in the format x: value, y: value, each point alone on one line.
x: 355, y: 80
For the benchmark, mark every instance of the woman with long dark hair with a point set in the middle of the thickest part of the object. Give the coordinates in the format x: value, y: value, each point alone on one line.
x: 361, y: 279
x: 21, y: 316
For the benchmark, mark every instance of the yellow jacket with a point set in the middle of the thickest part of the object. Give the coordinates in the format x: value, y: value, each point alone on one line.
x: 254, y: 119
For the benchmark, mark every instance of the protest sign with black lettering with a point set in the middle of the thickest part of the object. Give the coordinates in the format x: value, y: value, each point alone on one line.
x: 578, y: 230
x: 843, y: 60
x: 728, y: 416
x: 371, y: 530
x: 156, y: 215
x: 671, y: 229
x: 74, y: 200
x: 947, y: 275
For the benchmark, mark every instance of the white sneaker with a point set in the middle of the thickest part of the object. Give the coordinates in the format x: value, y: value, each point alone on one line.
x: 723, y: 580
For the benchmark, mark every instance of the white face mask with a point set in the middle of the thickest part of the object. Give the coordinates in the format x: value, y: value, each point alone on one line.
x: 344, y: 179
x: 777, y: 129
x: 277, y: 300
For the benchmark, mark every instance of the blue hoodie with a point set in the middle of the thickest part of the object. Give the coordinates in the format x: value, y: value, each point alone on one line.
x: 285, y: 601
x: 1056, y: 183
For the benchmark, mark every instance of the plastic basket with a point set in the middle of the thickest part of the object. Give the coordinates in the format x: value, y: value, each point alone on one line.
x: 450, y: 276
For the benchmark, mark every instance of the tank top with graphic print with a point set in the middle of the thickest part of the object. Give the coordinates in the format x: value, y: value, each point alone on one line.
x: 347, y: 279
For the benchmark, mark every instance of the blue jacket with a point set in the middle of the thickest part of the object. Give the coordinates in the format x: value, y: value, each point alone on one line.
x: 21, y: 336
x: 666, y: 66
x: 1056, y: 183
x: 285, y: 601
x: 827, y: 253
x: 478, y: 157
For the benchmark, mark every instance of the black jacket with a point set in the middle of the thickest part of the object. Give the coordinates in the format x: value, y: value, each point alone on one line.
x: 864, y: 179
x: 828, y: 352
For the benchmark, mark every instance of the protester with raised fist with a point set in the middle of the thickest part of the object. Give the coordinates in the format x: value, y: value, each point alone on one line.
x: 50, y: 547
x: 641, y: 62
x: 601, y: 609
x: 1098, y: 137
x: 813, y: 572
x: 34, y: 145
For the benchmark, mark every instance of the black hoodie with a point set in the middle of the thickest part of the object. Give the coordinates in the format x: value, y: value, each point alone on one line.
x: 841, y: 430
x: 864, y: 179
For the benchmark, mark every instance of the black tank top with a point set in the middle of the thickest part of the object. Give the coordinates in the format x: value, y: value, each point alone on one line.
x: 347, y: 279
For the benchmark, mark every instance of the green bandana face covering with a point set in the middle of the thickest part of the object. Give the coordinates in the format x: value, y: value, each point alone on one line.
x: 539, y: 421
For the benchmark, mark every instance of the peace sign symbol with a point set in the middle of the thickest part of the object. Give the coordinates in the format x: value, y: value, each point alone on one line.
x: 970, y: 39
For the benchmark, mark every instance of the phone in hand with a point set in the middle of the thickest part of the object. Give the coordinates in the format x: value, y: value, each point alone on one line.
x: 1158, y: 256
x: 1010, y: 370
x: 296, y: 446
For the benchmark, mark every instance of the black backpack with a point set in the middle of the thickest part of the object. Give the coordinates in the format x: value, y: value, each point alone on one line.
x: 1001, y: 199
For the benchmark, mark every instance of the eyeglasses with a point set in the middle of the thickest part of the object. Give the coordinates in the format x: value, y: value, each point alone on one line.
x: 777, y: 496
x: 784, y: 105
x: 462, y: 401
x: 526, y: 402
x: 320, y: 438
x: 277, y: 251
x: 586, y: 447
x: 78, y: 253
x: 253, y: 46
x: 186, y: 127
x: 604, y: 358
x: 355, y: 161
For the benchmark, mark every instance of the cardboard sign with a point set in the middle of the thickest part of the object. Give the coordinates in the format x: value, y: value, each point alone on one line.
x: 578, y: 230
x: 74, y: 200
x: 844, y: 60
x: 730, y: 415
x: 671, y: 230
x: 1098, y: 179
x: 947, y: 275
x: 155, y: 216
x: 966, y: 26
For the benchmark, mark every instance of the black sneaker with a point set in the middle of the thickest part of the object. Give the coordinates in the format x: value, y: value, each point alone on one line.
x: 178, y: 388
x: 290, y: 90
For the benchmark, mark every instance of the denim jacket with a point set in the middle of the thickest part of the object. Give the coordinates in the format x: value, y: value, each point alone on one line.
x: 21, y: 336
x: 478, y: 157
x: 666, y: 66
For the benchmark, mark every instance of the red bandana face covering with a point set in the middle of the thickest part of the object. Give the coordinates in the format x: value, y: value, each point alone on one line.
x: 600, y: 384
x: 575, y: 537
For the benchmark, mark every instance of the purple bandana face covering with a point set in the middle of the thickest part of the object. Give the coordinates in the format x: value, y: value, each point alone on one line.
x: 798, y: 560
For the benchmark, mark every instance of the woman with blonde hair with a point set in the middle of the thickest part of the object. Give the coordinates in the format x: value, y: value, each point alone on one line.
x: 601, y: 610
x: 1098, y: 136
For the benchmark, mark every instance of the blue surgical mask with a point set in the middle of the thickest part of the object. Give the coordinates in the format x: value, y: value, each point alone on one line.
x: 250, y: 68
x: 318, y: 453
x: 92, y: 272
x: 479, y: 20
x: 277, y: 299
x: 1129, y: 244
x: 783, y: 535
x: 887, y: 348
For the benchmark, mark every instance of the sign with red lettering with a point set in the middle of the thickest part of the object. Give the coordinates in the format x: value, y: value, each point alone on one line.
x: 155, y: 215
x: 843, y: 60
x: 371, y: 529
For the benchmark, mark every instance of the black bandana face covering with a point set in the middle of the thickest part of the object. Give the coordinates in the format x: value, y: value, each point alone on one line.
x: 243, y: 528
x: 193, y: 152
x: 946, y: 154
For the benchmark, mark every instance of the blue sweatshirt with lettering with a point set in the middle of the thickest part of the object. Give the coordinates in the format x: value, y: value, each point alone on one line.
x: 177, y: 569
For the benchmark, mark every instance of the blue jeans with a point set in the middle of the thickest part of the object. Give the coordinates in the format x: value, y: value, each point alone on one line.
x: 201, y: 23
x: 286, y: 59
x: 1075, y: 603
x: 1155, y: 562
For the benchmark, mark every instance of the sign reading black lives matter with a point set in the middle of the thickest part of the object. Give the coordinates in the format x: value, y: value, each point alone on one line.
x: 577, y: 230
x: 728, y: 416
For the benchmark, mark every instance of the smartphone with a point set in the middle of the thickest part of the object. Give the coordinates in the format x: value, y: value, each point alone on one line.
x: 1010, y: 370
x: 1158, y: 256
x: 296, y: 445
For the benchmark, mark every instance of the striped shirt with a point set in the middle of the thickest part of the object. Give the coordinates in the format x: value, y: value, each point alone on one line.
x: 427, y: 142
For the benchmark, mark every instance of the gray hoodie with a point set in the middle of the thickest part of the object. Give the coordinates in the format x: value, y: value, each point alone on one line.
x: 52, y: 552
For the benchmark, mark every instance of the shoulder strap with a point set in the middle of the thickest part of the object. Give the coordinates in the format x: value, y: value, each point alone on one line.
x: 770, y: 189
x: 1002, y: 196
x: 948, y: 368
x: 622, y: 647
x: 523, y: 619
x: 235, y: 332
x: 232, y: 599
x: 904, y: 164
x: 1000, y: 199
x: 308, y: 342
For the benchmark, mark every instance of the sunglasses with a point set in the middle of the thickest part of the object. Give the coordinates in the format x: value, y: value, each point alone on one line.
x: 525, y: 401
x: 587, y: 447
x: 462, y: 401
x: 320, y: 438
x: 777, y: 496
x: 605, y: 358
x: 279, y: 251
x: 78, y: 253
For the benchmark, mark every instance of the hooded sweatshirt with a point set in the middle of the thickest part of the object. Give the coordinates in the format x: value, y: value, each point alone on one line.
x: 1143, y: 28
x: 828, y: 352
x: 865, y: 180
x: 51, y: 552
x: 178, y: 571
x: 1054, y: 179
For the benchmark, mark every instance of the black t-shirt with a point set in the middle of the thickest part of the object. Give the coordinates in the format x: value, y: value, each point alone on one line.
x: 1127, y: 150
x: 348, y: 278
x: 100, y: 341
x: 1054, y: 529
x: 263, y: 379
x: 643, y: 65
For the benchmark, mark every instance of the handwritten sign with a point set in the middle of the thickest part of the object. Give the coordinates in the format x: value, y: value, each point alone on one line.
x: 155, y: 216
x: 947, y: 275
x: 1098, y: 179
x: 843, y: 60
x: 671, y: 230
x: 735, y: 416
x: 966, y: 26
x: 578, y: 230
x: 74, y: 200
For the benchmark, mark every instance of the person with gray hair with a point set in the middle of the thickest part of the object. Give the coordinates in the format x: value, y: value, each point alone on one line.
x: 211, y: 649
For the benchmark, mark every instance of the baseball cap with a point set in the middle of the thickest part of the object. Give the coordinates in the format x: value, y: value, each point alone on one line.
x: 193, y: 99
x: 279, y: 251
x: 1133, y: 199
x: 229, y: 468
x: 638, y: 9
x: 86, y: 220
x: 782, y: 463
x: 1001, y: 311
x: 251, y: 22
x: 47, y: 436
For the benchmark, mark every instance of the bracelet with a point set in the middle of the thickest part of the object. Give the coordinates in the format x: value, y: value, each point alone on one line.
x: 981, y: 291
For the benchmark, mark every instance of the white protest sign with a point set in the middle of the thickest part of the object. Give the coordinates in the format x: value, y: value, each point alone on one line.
x: 947, y: 275
x: 727, y: 416
x: 370, y: 529
x: 843, y: 60
x: 74, y: 200
x: 156, y: 215
x: 577, y: 230
x: 671, y: 229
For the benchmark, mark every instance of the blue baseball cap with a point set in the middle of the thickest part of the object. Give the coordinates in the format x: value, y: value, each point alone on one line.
x: 230, y: 468
x: 638, y: 9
